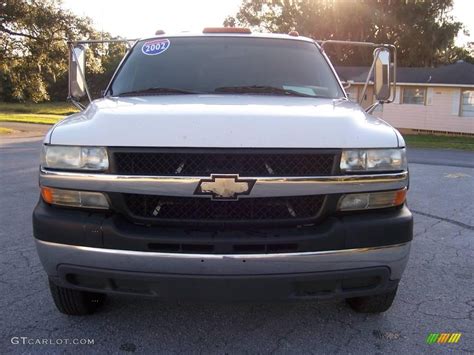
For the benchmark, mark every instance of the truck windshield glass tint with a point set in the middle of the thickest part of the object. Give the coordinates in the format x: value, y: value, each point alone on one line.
x: 208, y: 64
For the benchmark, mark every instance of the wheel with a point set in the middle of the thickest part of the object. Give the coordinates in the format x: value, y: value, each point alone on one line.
x: 74, y: 302
x: 372, y: 304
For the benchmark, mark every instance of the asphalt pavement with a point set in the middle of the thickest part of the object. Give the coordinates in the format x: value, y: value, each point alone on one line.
x: 436, y: 294
x: 446, y: 157
x: 23, y: 131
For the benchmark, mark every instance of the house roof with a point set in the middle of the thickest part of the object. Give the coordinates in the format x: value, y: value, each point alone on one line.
x: 461, y: 73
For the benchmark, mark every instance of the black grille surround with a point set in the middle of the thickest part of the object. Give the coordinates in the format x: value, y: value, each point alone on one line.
x: 204, y: 162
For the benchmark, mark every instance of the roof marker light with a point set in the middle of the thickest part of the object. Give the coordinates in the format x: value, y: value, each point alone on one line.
x: 227, y: 30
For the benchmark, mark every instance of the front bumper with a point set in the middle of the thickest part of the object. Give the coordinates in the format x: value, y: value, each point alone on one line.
x: 311, y: 275
x: 55, y: 255
x: 344, y: 256
x: 112, y: 231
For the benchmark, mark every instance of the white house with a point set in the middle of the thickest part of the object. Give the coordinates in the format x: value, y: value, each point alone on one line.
x: 428, y: 100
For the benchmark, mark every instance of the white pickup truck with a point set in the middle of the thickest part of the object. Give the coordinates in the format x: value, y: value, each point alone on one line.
x: 224, y: 165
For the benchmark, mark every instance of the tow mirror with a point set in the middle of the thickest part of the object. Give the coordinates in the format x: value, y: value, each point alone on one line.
x: 77, y: 71
x: 382, y: 90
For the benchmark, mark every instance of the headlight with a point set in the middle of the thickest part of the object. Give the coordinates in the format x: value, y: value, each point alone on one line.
x: 373, y: 160
x: 74, y: 158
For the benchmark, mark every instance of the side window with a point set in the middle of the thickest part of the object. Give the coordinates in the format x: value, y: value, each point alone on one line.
x: 413, y: 95
x: 467, y: 103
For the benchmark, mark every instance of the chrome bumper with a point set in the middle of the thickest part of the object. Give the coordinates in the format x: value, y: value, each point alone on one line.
x: 53, y: 255
x: 186, y: 186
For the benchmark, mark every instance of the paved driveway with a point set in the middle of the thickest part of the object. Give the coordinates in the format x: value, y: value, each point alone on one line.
x: 436, y: 294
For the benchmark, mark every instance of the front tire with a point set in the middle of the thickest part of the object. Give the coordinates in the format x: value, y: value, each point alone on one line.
x: 372, y: 304
x: 75, y: 302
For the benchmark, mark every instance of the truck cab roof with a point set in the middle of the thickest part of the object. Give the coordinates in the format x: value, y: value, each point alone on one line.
x: 229, y: 34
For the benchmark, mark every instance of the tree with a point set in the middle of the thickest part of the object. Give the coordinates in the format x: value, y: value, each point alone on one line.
x: 34, y: 52
x: 423, y: 31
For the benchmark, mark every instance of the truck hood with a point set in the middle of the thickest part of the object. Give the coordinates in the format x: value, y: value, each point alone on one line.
x: 224, y: 121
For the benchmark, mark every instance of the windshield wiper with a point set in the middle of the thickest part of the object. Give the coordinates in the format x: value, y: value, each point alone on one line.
x: 158, y: 91
x: 260, y: 89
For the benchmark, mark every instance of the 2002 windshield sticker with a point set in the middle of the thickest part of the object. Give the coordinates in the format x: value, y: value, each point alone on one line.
x: 155, y: 47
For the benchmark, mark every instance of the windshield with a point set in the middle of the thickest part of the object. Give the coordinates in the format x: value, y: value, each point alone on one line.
x: 223, y: 65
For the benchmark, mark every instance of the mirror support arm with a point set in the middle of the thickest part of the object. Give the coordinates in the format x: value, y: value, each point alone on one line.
x: 372, y: 107
x: 80, y: 106
x: 391, y: 47
x: 364, y: 89
x: 72, y: 44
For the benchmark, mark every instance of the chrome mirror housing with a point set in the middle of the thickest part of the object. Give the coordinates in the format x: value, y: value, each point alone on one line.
x: 77, y: 71
x: 382, y: 80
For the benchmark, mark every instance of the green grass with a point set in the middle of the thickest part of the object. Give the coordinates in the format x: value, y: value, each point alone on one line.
x: 4, y: 130
x: 51, y: 108
x: 29, y: 118
x: 439, y: 142
x: 45, y: 113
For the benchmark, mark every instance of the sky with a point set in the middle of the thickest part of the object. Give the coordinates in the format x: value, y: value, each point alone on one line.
x: 140, y: 18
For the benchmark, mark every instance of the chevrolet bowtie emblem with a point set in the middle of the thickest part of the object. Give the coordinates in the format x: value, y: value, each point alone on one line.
x: 224, y: 187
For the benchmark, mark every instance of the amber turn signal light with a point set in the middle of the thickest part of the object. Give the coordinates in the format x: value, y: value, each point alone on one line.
x: 400, y: 197
x: 73, y: 198
x: 47, y: 194
x: 372, y: 200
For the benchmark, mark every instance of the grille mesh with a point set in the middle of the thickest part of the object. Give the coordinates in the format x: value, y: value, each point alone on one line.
x: 203, y: 209
x: 204, y: 164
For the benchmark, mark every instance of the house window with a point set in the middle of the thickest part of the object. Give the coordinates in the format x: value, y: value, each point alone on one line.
x: 467, y: 103
x: 414, y: 96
